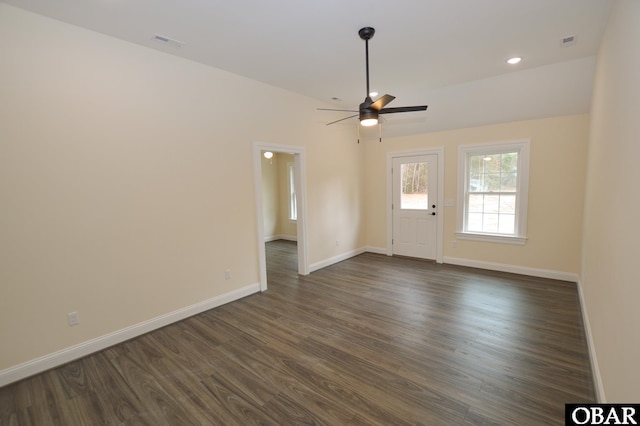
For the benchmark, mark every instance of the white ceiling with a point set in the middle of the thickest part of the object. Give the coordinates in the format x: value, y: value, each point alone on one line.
x: 449, y: 54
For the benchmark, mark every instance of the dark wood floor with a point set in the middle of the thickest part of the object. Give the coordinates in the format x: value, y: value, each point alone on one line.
x: 373, y: 340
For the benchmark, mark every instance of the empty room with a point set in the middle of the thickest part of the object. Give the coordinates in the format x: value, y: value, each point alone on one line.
x: 287, y: 212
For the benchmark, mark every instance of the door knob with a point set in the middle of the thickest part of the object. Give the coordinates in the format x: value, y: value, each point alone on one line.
x: 433, y: 213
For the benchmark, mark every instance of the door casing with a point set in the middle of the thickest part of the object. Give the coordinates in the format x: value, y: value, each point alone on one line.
x: 301, y: 202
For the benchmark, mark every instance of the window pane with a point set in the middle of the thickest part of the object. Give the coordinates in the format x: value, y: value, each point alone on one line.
x: 490, y: 223
x: 475, y: 166
x: 414, y: 181
x: 491, y: 203
x: 491, y: 163
x: 493, y: 172
x: 509, y: 162
x: 492, y: 182
x: 474, y: 222
x: 508, y: 204
x: 476, y: 203
x: 477, y: 184
x: 508, y: 182
x: 507, y: 224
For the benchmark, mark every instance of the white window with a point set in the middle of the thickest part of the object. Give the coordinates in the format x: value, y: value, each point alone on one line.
x: 492, y: 188
x: 293, y: 206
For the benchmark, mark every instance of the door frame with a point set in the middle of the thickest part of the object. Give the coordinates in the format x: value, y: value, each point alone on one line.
x: 439, y: 152
x: 299, y: 156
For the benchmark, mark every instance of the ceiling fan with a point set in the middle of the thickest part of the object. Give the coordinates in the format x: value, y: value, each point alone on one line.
x: 369, y: 110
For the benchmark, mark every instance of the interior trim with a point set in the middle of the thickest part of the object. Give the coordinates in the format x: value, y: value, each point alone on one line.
x: 595, y: 369
x: 514, y: 269
x: 71, y: 353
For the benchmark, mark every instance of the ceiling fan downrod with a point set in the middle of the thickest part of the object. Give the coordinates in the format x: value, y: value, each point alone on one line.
x: 366, y: 34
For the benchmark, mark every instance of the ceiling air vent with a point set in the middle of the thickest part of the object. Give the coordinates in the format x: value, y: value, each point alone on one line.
x: 568, y: 41
x: 168, y: 41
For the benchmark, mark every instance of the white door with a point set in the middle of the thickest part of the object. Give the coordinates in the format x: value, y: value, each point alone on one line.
x: 415, y: 209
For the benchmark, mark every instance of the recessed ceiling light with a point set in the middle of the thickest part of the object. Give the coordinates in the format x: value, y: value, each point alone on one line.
x: 569, y: 41
x: 373, y: 94
x: 513, y: 61
x: 167, y: 41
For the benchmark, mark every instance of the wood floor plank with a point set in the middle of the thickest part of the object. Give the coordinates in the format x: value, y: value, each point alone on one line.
x: 374, y: 340
x: 389, y: 388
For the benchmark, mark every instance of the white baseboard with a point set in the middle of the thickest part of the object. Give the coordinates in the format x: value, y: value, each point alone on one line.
x: 523, y: 270
x: 502, y: 267
x: 280, y: 237
x: 376, y: 250
x: 38, y: 365
x: 564, y: 276
x: 345, y: 256
x: 595, y: 370
x: 328, y: 262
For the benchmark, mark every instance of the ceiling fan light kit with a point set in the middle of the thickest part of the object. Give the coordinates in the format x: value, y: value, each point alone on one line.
x: 369, y: 110
x: 368, y: 117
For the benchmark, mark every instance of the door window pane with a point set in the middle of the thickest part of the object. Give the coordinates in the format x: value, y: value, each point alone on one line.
x: 414, y: 181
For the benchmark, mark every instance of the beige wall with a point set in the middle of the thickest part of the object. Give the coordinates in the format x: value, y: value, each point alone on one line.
x: 126, y: 185
x: 557, y: 170
x: 611, y: 243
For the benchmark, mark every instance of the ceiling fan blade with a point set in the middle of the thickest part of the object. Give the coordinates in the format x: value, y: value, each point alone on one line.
x: 403, y: 109
x: 342, y: 119
x: 331, y: 109
x: 380, y: 103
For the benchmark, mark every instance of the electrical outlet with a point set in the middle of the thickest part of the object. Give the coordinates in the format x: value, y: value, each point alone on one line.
x: 337, y: 243
x: 73, y: 318
x: 227, y: 274
x: 454, y: 244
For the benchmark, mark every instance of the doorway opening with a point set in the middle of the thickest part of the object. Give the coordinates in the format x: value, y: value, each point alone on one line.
x: 280, y: 186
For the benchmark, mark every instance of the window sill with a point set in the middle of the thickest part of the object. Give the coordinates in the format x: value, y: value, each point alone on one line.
x: 492, y: 238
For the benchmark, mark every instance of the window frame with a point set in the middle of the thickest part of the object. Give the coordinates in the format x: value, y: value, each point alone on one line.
x: 465, y: 152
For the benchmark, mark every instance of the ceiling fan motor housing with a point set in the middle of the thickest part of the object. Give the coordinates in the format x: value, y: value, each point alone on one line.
x: 366, y: 112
